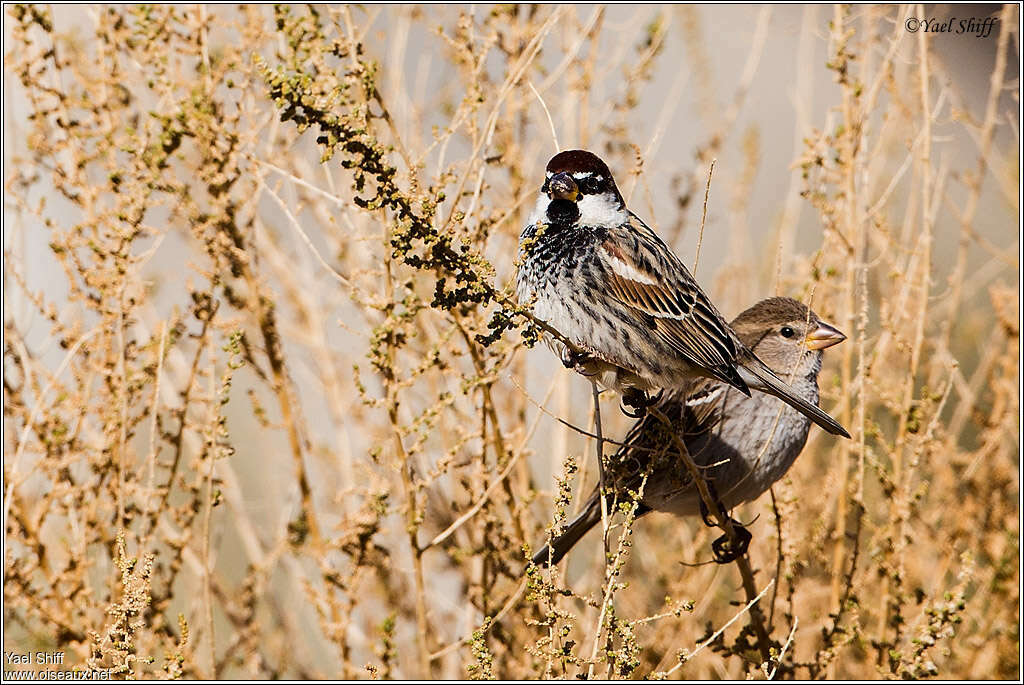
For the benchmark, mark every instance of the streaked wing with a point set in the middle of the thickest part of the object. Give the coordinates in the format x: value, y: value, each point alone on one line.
x: 647, y: 277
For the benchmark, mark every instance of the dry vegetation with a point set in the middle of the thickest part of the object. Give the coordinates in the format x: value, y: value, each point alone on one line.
x: 269, y: 407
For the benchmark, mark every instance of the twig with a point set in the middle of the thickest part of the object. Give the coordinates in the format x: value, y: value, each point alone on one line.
x: 582, y: 35
x: 725, y: 523
x: 305, y: 238
x: 686, y: 657
x: 567, y: 424
x: 551, y: 123
x: 210, y: 451
x: 704, y: 216
x: 404, y: 465
x: 12, y: 476
x: 334, y: 199
x: 528, y: 55
x: 601, y: 492
x: 599, y: 447
x: 695, y: 474
x: 151, y: 459
x: 778, y: 556
x: 122, y: 432
x: 756, y: 617
x: 441, y: 537
x: 509, y: 603
x: 612, y: 566
x: 785, y: 647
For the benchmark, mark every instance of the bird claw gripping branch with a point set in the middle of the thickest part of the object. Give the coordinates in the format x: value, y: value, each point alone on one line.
x: 638, y: 400
x: 724, y: 548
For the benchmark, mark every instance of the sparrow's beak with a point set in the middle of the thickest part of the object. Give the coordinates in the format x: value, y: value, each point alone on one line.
x: 562, y: 187
x: 824, y: 336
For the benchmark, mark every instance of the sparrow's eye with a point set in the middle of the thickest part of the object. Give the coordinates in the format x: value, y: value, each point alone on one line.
x: 545, y: 188
x: 787, y: 332
x: 589, y: 186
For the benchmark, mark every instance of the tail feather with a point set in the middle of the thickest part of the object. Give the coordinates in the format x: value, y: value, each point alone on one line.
x: 760, y: 377
x: 560, y: 545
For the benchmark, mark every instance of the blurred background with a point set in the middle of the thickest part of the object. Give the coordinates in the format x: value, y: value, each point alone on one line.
x: 251, y: 429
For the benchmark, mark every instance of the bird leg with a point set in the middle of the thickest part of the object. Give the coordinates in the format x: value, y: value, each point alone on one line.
x: 705, y: 515
x: 638, y: 399
x: 723, y: 548
x: 577, y: 361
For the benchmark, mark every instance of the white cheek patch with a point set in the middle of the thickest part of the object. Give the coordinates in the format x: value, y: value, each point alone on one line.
x: 627, y: 270
x: 601, y: 210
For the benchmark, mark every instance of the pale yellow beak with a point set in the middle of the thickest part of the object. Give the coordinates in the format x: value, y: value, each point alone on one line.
x: 824, y: 336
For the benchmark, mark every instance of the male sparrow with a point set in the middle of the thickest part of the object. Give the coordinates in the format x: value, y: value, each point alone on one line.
x: 637, y: 318
x: 742, y: 444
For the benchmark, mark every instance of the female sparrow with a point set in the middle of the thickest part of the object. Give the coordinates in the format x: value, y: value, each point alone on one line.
x: 637, y: 318
x: 741, y: 443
